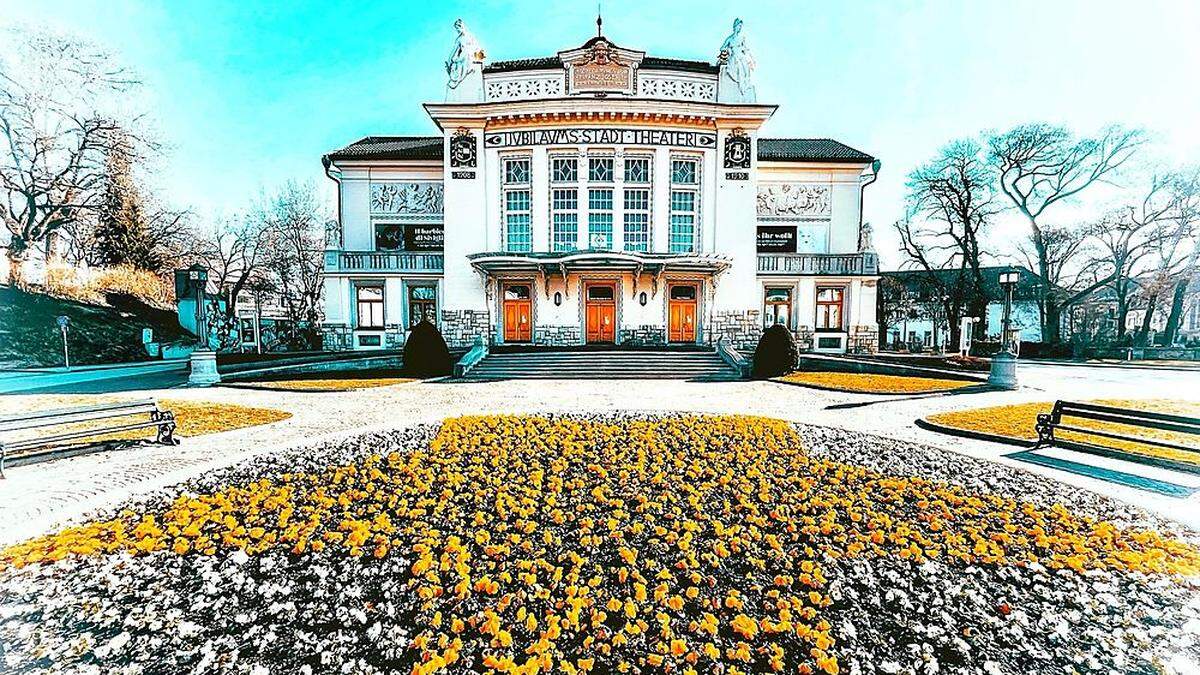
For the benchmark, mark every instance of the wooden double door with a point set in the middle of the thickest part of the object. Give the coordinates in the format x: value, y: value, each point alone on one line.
x: 681, y: 313
x: 518, y: 313
x: 600, y: 313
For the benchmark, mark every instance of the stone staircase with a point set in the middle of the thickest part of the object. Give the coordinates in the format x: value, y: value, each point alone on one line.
x: 696, y: 365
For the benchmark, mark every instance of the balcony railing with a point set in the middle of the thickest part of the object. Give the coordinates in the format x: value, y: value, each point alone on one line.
x: 383, y: 261
x: 818, y: 263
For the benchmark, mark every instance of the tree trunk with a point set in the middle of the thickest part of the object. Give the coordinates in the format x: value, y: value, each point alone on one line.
x: 1143, y: 333
x: 1171, y: 333
x: 16, y: 260
x: 1052, y: 322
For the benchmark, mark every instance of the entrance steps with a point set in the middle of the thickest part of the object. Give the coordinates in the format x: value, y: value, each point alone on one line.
x: 591, y: 364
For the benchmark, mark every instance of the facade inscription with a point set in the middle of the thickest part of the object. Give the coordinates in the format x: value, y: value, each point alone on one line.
x: 602, y: 136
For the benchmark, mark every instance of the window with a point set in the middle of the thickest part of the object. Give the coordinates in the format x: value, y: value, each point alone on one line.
x: 684, y: 198
x: 564, y: 169
x: 370, y: 306
x: 518, y: 225
x: 684, y: 171
x: 683, y: 222
x: 637, y: 170
x: 422, y: 304
x: 683, y: 292
x: 637, y: 219
x: 600, y: 169
x: 564, y: 219
x: 600, y: 293
x: 778, y: 307
x: 600, y: 218
x: 516, y: 292
x: 829, y: 309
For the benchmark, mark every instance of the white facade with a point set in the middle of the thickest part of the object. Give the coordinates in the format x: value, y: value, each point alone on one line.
x: 599, y: 196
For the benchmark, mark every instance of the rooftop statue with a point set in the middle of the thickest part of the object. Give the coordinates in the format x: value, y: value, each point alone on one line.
x: 464, y: 74
x: 737, y: 67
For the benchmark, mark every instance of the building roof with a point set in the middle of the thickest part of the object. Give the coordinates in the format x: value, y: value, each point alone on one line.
x: 390, y: 147
x: 915, y: 281
x: 808, y: 150
x: 430, y: 147
x: 648, y: 63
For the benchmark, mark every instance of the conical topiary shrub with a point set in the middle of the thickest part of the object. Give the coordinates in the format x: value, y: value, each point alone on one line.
x: 426, y: 353
x: 775, y: 354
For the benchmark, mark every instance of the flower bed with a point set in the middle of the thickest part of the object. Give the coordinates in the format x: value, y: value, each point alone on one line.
x: 532, y: 544
x: 869, y: 383
x: 1018, y: 422
x: 323, y: 384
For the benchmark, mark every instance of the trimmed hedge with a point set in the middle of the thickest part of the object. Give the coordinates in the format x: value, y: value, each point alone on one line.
x: 426, y: 353
x: 775, y: 354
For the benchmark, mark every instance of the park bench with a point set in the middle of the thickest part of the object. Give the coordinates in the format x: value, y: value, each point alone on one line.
x: 112, y: 418
x: 1049, y: 423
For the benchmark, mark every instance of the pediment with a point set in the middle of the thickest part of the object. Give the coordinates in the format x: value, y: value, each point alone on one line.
x: 599, y: 67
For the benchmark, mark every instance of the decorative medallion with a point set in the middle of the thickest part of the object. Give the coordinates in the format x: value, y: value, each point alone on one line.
x: 463, y: 152
x: 737, y: 150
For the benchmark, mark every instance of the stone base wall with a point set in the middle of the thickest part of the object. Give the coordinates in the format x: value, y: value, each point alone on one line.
x: 804, y: 338
x: 557, y: 336
x: 337, y: 338
x: 863, y: 340
x: 643, y: 336
x: 460, y: 327
x: 741, y: 329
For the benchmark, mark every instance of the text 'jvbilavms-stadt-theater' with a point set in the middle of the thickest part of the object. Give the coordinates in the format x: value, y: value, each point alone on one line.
x: 600, y: 195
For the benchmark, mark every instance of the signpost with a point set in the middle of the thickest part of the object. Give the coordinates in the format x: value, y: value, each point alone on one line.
x: 64, y: 323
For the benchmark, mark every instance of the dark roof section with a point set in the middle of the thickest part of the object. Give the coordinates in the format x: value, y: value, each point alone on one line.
x: 919, y: 282
x: 390, y: 147
x: 809, y: 150
x: 648, y: 63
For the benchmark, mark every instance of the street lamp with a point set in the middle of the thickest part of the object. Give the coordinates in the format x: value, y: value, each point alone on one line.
x: 1004, y: 363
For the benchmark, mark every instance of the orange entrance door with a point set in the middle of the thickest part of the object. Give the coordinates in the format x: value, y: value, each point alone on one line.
x: 518, y: 313
x: 600, y: 308
x: 681, y: 314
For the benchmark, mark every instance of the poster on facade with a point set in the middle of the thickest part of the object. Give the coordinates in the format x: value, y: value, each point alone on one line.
x: 776, y: 238
x: 424, y: 237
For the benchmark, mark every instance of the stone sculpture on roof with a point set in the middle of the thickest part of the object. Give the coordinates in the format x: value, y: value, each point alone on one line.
x: 464, y: 67
x: 737, y: 69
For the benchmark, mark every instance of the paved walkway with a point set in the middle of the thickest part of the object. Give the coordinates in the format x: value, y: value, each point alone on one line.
x: 37, y: 498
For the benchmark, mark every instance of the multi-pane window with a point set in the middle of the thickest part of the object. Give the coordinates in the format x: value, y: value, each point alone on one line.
x: 564, y: 169
x: 422, y: 304
x: 600, y: 169
x: 600, y: 218
x: 778, y: 303
x: 370, y: 306
x: 518, y: 219
x: 829, y: 309
x: 564, y: 219
x: 684, y: 206
x: 637, y: 170
x: 637, y: 219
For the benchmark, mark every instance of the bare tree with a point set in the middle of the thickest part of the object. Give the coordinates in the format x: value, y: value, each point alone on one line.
x: 294, y: 220
x: 56, y: 120
x: 953, y: 198
x: 235, y: 252
x: 1186, y: 186
x: 1040, y: 166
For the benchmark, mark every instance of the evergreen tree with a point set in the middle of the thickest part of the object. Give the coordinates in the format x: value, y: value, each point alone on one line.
x: 123, y: 235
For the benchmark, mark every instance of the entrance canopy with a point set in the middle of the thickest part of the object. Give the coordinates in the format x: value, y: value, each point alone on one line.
x: 563, y: 263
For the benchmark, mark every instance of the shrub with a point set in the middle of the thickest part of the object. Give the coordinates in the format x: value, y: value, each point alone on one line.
x: 425, y: 352
x: 775, y: 354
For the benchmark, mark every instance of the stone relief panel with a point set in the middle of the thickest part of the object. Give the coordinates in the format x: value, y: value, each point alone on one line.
x: 652, y: 86
x: 794, y: 200
x: 406, y: 198
x: 537, y: 86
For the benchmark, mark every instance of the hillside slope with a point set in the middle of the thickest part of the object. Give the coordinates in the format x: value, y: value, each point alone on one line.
x: 29, y: 333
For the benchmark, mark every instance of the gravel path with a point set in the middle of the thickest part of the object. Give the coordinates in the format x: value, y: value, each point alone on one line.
x: 331, y: 613
x: 37, y: 498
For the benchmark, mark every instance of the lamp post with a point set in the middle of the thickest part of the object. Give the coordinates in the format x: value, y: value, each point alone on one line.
x: 1004, y: 363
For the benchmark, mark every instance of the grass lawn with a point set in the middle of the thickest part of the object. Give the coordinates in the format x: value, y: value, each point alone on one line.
x: 868, y: 383
x: 1017, y: 421
x: 193, y: 418
x: 326, y: 384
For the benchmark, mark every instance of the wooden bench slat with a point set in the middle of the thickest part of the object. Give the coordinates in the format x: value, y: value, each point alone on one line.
x: 75, y: 435
x: 1134, y: 421
x: 57, y: 412
x: 1147, y: 414
x: 74, y: 417
x: 1131, y: 439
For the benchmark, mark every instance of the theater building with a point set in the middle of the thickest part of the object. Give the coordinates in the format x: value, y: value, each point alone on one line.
x: 600, y: 195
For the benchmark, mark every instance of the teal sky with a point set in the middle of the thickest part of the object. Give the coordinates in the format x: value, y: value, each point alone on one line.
x: 249, y: 94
